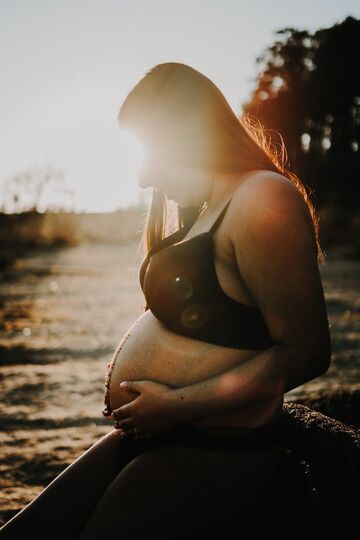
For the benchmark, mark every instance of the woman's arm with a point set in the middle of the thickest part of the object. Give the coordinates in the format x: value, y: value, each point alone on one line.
x: 273, y: 372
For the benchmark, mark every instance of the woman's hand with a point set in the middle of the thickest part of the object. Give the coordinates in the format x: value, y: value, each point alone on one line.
x: 150, y: 412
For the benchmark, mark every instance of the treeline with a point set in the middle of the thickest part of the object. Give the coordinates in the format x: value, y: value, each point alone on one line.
x: 308, y: 90
x: 30, y: 231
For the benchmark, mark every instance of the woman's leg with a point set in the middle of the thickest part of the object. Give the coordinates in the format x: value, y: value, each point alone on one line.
x: 181, y: 492
x: 62, y: 508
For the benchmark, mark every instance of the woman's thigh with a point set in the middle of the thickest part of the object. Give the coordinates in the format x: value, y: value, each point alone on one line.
x: 181, y: 492
x: 64, y: 506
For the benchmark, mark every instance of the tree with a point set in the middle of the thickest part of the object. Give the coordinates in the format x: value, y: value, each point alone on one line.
x: 309, y: 92
x: 25, y: 190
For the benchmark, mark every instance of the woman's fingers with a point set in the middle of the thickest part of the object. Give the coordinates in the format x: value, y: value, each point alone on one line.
x: 127, y: 423
x: 122, y: 412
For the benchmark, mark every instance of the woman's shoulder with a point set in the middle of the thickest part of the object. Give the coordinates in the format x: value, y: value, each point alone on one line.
x: 266, y: 185
x: 263, y: 194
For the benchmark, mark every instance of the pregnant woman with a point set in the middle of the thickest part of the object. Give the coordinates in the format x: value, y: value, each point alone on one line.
x: 235, y: 317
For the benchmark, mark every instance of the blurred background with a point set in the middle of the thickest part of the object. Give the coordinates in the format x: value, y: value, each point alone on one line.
x: 71, y: 211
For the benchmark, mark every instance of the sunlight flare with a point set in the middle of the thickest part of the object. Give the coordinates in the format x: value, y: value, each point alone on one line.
x: 132, y: 155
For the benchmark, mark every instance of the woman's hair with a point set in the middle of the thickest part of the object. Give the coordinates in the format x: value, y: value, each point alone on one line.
x: 184, y: 118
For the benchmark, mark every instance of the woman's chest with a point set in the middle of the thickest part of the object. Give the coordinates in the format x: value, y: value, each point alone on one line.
x: 227, y: 270
x: 200, y: 269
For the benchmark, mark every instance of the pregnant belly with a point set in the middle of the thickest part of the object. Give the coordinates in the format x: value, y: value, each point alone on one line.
x: 150, y: 351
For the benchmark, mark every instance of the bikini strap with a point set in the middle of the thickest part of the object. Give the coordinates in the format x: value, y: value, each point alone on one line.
x: 219, y: 218
x: 169, y: 239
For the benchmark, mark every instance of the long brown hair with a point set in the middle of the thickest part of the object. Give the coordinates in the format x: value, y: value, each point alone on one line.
x: 181, y: 114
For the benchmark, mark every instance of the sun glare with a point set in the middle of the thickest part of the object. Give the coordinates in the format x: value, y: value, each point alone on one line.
x: 132, y: 154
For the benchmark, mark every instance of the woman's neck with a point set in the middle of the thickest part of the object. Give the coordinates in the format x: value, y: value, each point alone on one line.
x: 222, y: 190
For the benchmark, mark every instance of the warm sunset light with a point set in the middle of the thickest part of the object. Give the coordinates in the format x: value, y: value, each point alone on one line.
x: 67, y: 67
x: 179, y: 269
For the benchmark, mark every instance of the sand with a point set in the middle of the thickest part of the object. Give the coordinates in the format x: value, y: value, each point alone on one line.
x: 63, y: 313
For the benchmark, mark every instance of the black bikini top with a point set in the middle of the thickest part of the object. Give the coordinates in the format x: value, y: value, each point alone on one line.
x: 182, y: 290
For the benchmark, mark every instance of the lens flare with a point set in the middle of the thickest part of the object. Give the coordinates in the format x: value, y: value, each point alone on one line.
x: 194, y: 316
x: 183, y: 288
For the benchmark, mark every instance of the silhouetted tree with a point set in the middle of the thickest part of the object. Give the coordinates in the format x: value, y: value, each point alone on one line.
x: 309, y: 91
x: 25, y: 190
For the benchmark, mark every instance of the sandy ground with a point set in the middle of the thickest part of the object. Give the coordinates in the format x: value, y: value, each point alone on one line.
x: 62, y: 315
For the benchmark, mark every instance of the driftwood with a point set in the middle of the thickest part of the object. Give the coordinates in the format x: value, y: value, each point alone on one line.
x: 341, y: 402
x: 316, y: 493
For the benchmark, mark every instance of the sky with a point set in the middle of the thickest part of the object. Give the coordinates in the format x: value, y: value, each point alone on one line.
x: 67, y: 65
